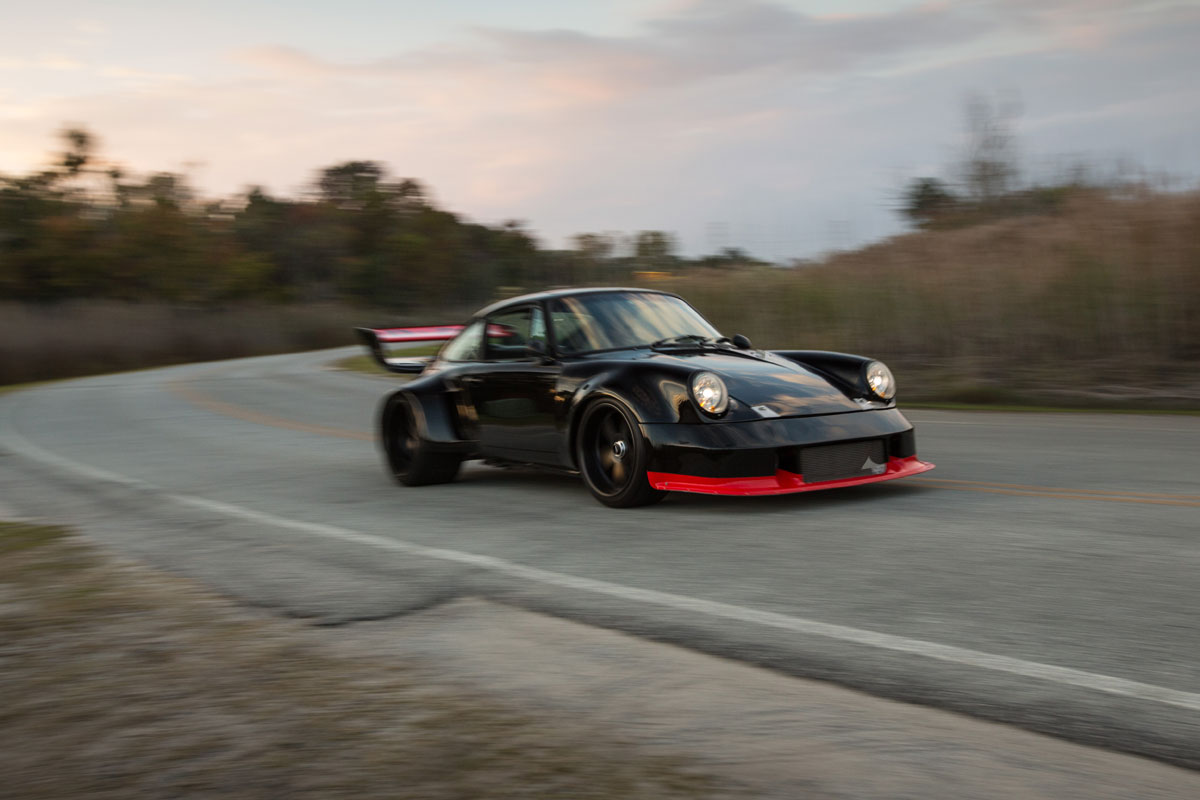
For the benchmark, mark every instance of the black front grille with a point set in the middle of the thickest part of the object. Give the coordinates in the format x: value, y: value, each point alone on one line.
x: 831, y: 462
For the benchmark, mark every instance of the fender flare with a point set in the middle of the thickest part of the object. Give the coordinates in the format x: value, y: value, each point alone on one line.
x: 434, y: 414
x: 658, y: 397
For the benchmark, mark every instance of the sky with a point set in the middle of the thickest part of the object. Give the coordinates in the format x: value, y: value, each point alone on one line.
x: 788, y: 128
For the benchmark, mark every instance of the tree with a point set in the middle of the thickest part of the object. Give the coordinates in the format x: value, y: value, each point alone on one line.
x: 411, y: 191
x: 593, y: 247
x: 349, y: 185
x: 80, y: 144
x: 729, y: 258
x: 654, y: 249
x: 928, y: 200
x: 514, y: 249
x: 990, y: 167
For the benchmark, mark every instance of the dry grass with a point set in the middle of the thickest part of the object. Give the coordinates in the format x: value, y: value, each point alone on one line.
x: 367, y: 363
x: 119, y: 682
x: 67, y: 340
x: 1093, y: 305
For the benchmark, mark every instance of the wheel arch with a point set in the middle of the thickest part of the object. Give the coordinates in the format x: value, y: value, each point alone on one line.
x: 653, y: 395
x: 433, y: 409
x: 576, y: 417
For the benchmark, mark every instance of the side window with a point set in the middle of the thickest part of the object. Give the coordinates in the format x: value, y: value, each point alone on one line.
x: 509, y: 333
x: 467, y: 346
x: 569, y: 335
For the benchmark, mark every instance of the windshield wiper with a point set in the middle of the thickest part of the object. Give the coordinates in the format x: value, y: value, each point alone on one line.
x: 684, y: 339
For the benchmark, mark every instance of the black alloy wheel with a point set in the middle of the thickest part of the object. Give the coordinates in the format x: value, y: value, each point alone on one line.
x: 611, y: 455
x: 409, y: 456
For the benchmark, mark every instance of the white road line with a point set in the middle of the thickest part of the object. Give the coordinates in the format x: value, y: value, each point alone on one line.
x: 884, y: 641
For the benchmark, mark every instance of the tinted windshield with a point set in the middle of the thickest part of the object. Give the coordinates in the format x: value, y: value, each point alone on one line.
x: 609, y: 320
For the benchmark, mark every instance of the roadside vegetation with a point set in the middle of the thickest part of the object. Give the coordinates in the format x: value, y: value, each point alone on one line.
x: 1093, y: 304
x: 124, y: 682
x: 79, y: 337
x: 1079, y: 292
x: 366, y: 363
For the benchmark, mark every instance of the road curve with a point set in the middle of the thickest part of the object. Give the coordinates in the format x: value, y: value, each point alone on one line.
x: 1044, y: 575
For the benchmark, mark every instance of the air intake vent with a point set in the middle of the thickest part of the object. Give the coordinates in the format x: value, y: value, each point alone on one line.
x: 831, y: 462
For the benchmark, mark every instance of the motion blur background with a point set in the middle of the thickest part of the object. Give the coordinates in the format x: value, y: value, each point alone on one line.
x: 1000, y: 198
x: 997, y: 197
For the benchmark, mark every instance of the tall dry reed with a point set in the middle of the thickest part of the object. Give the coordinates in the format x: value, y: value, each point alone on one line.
x: 82, y: 338
x: 1105, y: 293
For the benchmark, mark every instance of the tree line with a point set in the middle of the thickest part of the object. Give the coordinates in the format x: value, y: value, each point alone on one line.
x: 83, y: 228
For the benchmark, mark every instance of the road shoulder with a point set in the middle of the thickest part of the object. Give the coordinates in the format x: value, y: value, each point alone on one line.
x: 777, y: 735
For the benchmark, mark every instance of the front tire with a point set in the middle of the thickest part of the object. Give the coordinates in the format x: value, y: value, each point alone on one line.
x: 612, y: 456
x: 408, y: 454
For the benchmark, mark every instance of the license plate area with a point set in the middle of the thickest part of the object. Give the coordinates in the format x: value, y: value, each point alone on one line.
x: 831, y: 462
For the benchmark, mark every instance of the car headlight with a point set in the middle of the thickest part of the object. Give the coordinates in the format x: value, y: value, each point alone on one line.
x: 710, y: 393
x: 880, y: 380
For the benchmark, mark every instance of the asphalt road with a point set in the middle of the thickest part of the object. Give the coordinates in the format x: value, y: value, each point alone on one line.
x: 1044, y: 575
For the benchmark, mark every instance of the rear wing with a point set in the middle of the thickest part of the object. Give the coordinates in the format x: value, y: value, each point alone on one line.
x: 375, y: 340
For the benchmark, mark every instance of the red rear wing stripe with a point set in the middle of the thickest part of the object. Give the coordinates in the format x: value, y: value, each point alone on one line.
x: 432, y: 333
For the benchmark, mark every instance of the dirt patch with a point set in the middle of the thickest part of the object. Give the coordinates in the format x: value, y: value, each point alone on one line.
x: 770, y: 735
x: 118, y: 681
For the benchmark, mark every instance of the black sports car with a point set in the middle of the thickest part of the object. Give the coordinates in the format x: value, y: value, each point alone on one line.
x: 639, y: 394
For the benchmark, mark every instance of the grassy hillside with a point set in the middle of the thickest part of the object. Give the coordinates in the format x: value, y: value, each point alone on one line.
x: 1098, y: 303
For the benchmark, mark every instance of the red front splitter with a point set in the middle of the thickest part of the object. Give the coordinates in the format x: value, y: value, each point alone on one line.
x: 782, y: 482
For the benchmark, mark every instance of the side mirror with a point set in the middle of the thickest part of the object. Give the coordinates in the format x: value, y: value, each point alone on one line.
x: 741, y: 342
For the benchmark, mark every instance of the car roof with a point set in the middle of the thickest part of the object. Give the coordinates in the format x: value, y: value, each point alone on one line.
x: 537, y: 297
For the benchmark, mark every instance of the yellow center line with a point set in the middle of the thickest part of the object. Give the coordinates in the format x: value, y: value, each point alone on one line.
x: 1067, y: 496
x: 1062, y: 490
x: 198, y: 398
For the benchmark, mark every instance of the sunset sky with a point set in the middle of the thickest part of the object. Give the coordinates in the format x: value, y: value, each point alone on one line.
x: 787, y: 128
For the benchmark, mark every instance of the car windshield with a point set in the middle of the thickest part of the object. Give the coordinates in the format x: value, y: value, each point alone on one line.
x: 613, y: 320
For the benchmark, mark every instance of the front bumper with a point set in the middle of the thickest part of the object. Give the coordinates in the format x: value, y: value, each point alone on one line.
x: 771, y: 456
x: 782, y: 482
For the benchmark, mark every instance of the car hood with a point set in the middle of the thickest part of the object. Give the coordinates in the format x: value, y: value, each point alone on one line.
x: 771, y: 385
